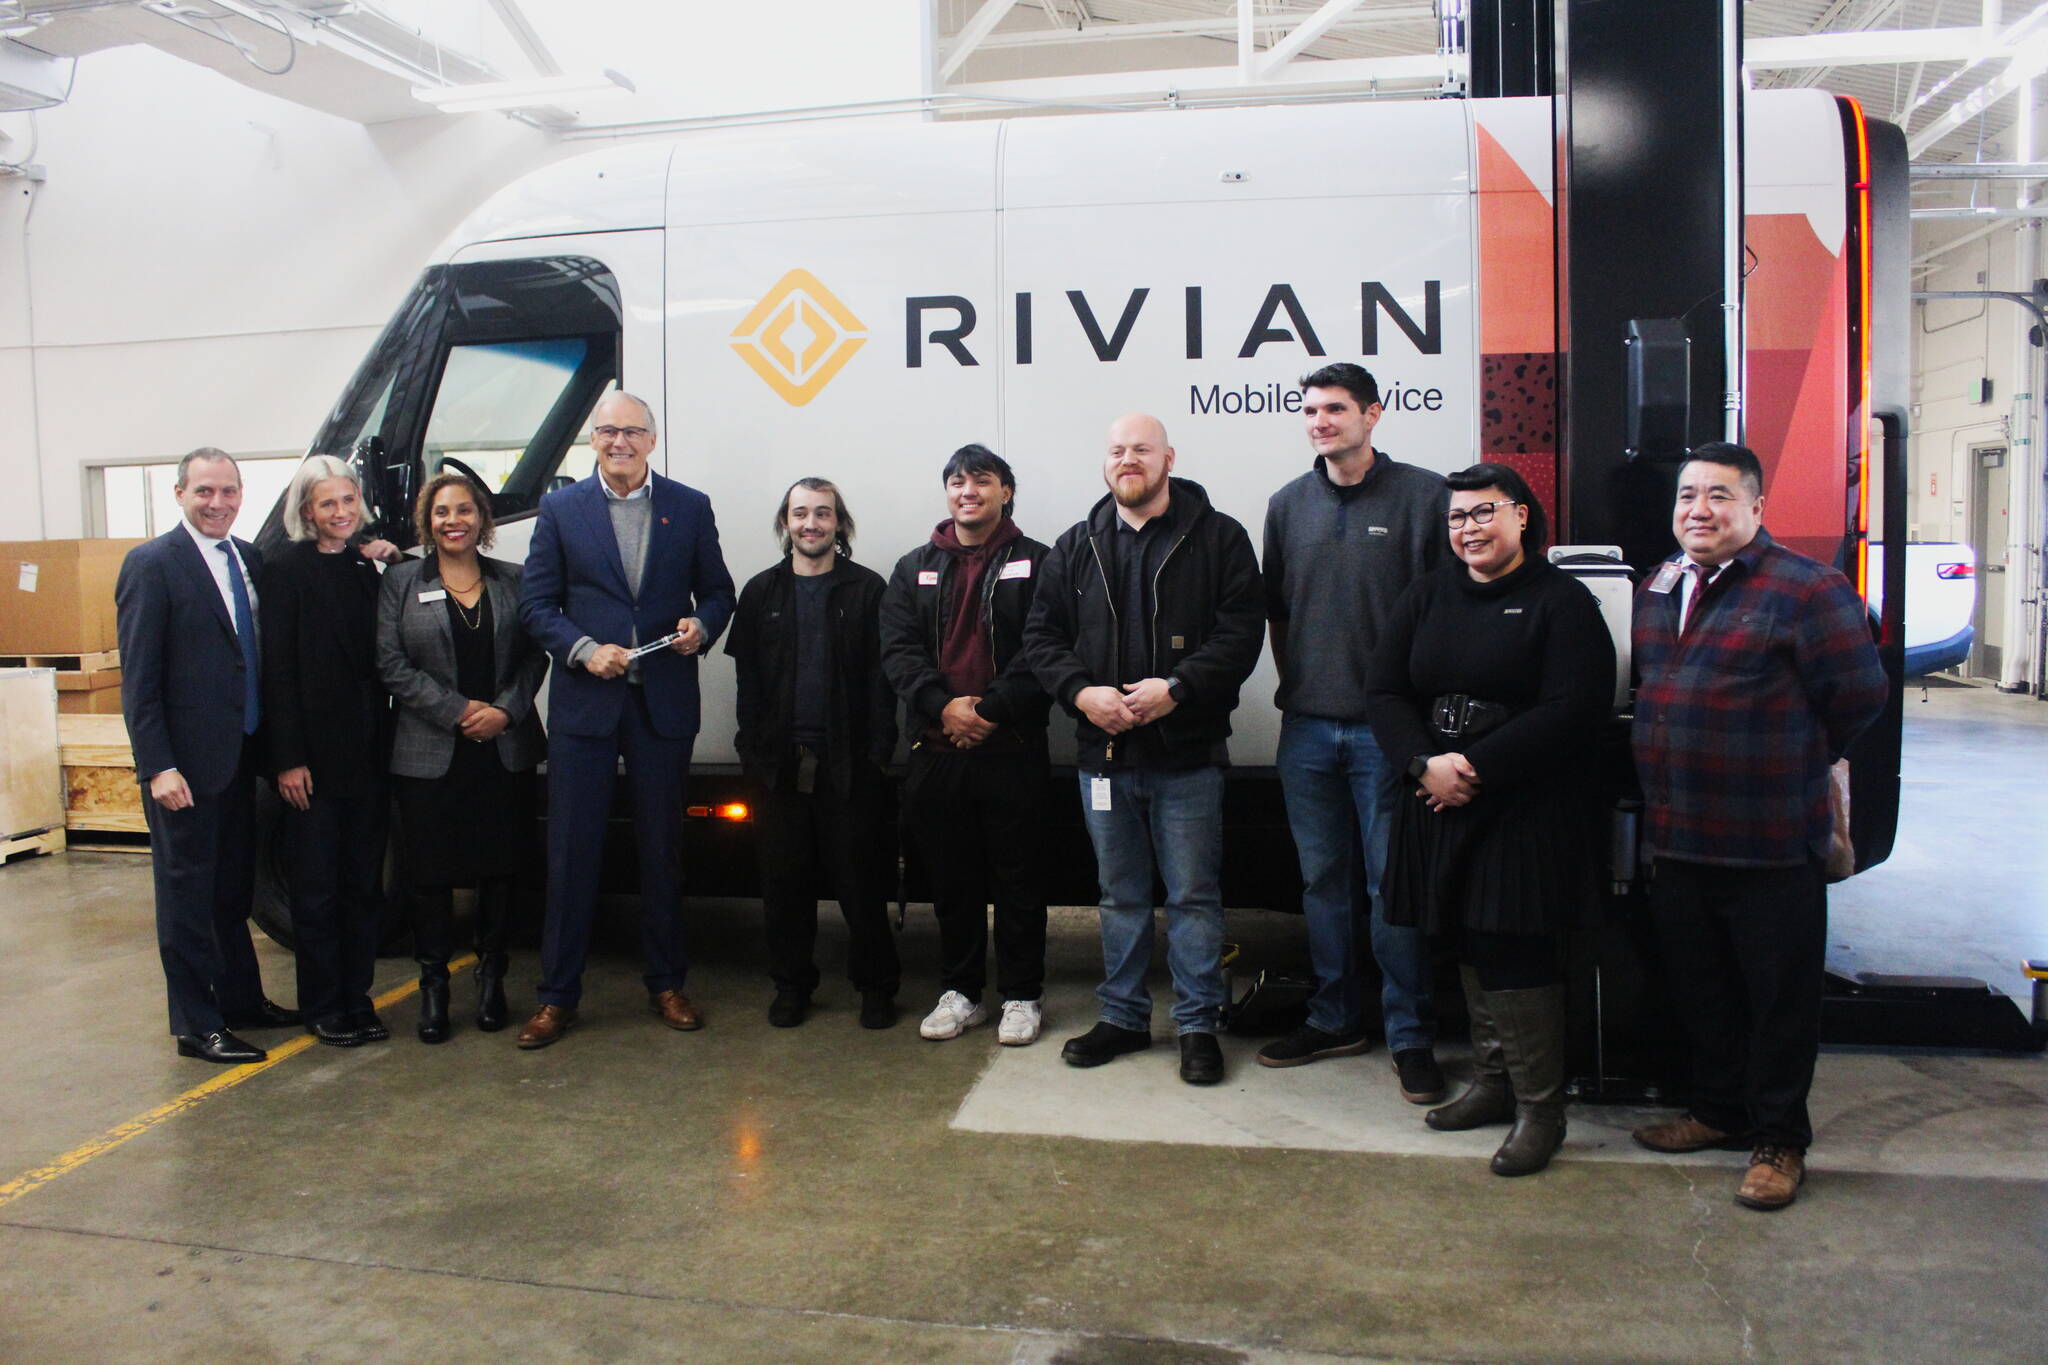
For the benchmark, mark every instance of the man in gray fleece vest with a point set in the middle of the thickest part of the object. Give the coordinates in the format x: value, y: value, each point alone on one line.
x: 1343, y: 541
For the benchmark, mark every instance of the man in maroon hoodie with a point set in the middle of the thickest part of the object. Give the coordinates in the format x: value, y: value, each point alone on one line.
x: 952, y: 647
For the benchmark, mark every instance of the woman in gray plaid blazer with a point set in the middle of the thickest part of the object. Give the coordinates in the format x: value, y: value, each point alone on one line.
x: 465, y: 673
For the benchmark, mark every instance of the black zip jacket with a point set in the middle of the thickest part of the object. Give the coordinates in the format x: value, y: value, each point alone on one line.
x: 914, y: 626
x: 861, y: 714
x: 1208, y: 625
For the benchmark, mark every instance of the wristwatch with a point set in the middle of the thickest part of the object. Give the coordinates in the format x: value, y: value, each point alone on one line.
x: 1418, y: 765
x: 1176, y: 689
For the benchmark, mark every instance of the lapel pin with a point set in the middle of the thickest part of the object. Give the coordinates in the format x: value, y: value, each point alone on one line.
x: 664, y: 521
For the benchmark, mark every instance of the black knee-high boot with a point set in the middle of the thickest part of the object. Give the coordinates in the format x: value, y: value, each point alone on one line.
x: 493, y: 925
x: 1531, y: 1024
x: 433, y: 926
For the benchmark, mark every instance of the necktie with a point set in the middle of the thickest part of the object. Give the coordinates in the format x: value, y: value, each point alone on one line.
x: 245, y: 633
x: 1689, y: 600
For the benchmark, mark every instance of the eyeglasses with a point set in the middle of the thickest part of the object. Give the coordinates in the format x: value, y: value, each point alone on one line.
x: 1479, y: 515
x: 613, y: 433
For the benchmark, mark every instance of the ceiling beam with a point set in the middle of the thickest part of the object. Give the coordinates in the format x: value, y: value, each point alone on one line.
x: 1303, y: 33
x: 971, y: 33
x: 1884, y: 47
x: 1346, y: 76
x: 2028, y: 61
x: 515, y: 21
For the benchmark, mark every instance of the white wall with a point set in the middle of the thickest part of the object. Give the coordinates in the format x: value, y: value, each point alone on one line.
x: 205, y: 266
x: 1956, y: 343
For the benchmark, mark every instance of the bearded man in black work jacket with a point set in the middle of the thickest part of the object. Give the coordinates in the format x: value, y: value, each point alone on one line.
x: 1148, y: 620
x: 817, y: 730
x: 952, y: 645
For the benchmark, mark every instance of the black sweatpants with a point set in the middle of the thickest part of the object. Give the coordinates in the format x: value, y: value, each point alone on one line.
x: 806, y: 837
x: 977, y: 820
x: 1746, y: 948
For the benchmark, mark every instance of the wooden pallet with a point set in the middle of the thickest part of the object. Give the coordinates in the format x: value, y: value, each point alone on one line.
x: 32, y: 844
x: 100, y: 792
x: 70, y: 663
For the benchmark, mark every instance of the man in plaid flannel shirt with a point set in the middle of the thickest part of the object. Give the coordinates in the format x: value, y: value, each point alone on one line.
x: 1756, y: 669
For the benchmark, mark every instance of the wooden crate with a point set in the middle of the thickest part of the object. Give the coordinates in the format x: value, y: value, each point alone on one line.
x: 31, y: 787
x: 87, y: 684
x: 100, y: 791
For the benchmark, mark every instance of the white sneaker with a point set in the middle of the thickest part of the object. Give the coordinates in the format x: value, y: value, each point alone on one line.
x: 952, y: 1016
x: 1020, y: 1024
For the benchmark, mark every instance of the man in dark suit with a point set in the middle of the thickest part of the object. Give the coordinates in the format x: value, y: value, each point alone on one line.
x: 186, y: 610
x: 619, y: 560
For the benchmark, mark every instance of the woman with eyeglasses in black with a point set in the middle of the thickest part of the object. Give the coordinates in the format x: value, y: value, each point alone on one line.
x: 1492, y: 679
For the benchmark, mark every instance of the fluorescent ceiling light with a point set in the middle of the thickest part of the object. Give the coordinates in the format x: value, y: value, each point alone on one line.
x: 463, y: 99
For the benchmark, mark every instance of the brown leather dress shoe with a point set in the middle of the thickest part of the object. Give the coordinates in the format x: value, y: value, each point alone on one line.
x: 548, y: 1025
x: 676, y: 1010
x: 1775, y: 1175
x: 1687, y: 1134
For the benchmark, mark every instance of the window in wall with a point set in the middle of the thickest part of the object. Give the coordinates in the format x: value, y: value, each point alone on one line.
x: 139, y: 500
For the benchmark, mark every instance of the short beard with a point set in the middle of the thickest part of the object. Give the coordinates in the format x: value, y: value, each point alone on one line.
x: 831, y: 547
x: 1145, y: 495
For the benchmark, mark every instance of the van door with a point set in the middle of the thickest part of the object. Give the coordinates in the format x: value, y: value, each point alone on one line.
x: 491, y: 367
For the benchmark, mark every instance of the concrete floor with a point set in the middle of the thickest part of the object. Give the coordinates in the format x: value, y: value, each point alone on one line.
x: 832, y: 1195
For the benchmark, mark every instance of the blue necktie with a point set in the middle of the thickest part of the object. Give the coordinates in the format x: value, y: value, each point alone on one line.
x: 245, y: 632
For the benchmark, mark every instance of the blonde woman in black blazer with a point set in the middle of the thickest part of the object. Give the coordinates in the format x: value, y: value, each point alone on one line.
x: 326, y: 721
x: 451, y: 650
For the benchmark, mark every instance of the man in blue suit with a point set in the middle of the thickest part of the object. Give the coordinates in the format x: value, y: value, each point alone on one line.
x: 618, y: 560
x: 185, y: 608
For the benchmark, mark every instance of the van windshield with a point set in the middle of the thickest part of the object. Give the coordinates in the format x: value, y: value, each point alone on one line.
x: 489, y: 368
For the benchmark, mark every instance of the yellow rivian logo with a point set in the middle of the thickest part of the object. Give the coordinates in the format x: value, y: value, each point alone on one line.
x: 798, y: 336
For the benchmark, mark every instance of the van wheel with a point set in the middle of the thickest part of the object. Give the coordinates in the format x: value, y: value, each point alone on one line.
x: 271, y: 905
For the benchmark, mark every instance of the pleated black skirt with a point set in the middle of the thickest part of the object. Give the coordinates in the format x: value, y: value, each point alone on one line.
x: 1525, y: 862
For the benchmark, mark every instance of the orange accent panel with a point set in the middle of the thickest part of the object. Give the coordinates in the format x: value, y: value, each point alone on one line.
x: 1517, y: 264
x: 1796, y: 311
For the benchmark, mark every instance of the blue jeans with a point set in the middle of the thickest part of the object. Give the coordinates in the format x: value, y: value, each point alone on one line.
x: 1174, y: 821
x: 1340, y: 792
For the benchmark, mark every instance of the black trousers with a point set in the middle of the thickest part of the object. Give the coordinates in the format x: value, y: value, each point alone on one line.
x: 1746, y: 948
x: 433, y: 922
x: 336, y: 855
x: 204, y: 867
x: 804, y: 837
x: 977, y: 820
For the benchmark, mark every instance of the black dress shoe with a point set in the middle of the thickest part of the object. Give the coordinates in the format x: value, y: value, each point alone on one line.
x: 268, y: 1015
x: 1201, y: 1059
x: 788, y: 1008
x: 337, y: 1032
x: 219, y: 1046
x: 369, y: 1026
x: 1104, y: 1043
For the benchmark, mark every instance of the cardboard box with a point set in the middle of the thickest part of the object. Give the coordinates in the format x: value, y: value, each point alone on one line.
x: 103, y: 698
x: 57, y: 596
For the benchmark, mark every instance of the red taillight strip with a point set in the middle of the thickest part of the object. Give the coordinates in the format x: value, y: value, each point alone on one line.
x: 1860, y: 408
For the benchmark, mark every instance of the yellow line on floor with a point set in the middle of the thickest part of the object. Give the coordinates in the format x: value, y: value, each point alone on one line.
x: 198, y: 1094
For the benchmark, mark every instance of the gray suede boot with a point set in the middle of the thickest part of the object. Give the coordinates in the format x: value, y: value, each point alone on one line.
x: 1490, y: 1098
x: 1531, y: 1025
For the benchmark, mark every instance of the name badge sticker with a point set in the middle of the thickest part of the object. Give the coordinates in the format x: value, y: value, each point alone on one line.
x: 1098, y: 793
x: 434, y: 595
x: 928, y: 578
x: 1016, y: 568
x: 1667, y: 577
